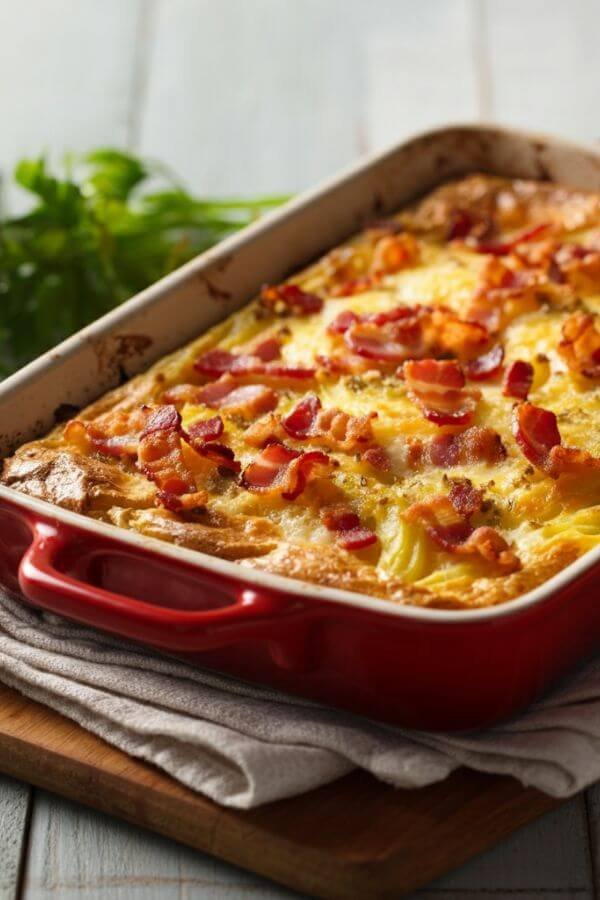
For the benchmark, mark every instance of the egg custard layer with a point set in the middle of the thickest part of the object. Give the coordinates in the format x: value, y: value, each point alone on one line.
x: 414, y: 417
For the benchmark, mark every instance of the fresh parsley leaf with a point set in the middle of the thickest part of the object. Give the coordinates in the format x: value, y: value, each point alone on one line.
x: 102, y: 229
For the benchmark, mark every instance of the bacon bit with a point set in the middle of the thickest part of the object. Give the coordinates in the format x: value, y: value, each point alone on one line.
x: 506, y: 247
x: 336, y: 429
x: 205, y: 430
x: 536, y: 432
x: 518, y: 379
x: 346, y: 319
x: 474, y: 445
x: 302, y: 419
x: 266, y: 431
x: 378, y: 458
x: 351, y: 535
x: 580, y: 345
x: 282, y: 470
x: 268, y: 350
x: 460, y: 226
x: 393, y: 253
x: 161, y: 460
x: 280, y: 375
x: 244, y: 366
x: 163, y: 418
x: 343, y: 321
x: 577, y: 266
x: 446, y: 519
x: 222, y: 456
x: 346, y: 364
x: 390, y: 343
x: 437, y: 386
x: 503, y: 294
x: 465, y: 499
x: 465, y: 223
x: 339, y: 518
x: 460, y: 337
x: 248, y: 399
x: 286, y: 299
x: 356, y: 286
x: 406, y: 332
x: 114, y: 434
x: 485, y: 366
x: 218, y: 362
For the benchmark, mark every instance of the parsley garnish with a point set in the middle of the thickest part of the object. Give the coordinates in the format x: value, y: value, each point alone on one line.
x: 106, y: 226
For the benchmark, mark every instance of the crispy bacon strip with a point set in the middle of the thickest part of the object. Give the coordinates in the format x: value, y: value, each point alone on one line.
x: 518, y: 379
x: 356, y: 286
x: 401, y: 333
x: 308, y: 421
x: 378, y: 458
x: 114, y: 434
x: 205, y: 430
x: 262, y: 361
x: 446, y: 333
x: 390, y: 343
x: 333, y: 427
x: 465, y: 223
x: 446, y: 519
x: 351, y: 535
x: 580, y: 345
x: 248, y: 400
x: 502, y: 294
x: 536, y: 432
x: 505, y: 247
x: 576, y: 266
x: 218, y: 454
x: 289, y: 299
x: 438, y: 388
x: 474, y: 445
x: 485, y: 366
x: 161, y: 460
x: 281, y: 470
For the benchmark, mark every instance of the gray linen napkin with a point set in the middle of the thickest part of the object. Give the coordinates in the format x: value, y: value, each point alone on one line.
x: 243, y: 745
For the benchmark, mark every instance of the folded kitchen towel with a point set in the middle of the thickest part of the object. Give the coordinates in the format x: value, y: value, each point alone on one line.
x: 242, y: 745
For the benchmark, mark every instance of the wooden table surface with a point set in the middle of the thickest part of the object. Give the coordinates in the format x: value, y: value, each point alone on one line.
x: 243, y: 96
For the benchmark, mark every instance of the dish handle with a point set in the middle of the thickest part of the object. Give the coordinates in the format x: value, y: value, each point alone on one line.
x: 248, y: 613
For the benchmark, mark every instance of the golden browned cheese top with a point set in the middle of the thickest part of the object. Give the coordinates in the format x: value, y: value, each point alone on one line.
x: 413, y: 417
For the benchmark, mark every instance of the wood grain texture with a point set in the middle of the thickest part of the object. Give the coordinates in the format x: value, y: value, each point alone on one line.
x: 78, y: 851
x: 299, y: 842
x: 15, y: 800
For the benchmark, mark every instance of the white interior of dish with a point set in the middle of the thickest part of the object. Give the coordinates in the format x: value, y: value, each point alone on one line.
x: 198, y: 295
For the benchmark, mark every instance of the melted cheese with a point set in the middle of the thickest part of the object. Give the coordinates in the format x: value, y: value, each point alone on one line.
x: 530, y: 510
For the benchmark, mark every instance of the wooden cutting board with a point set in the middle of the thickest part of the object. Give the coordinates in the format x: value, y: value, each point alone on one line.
x: 353, y: 838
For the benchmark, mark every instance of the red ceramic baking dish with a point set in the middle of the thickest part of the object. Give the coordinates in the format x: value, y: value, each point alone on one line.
x: 427, y: 669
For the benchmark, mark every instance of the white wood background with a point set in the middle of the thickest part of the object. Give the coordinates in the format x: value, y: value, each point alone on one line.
x: 243, y: 96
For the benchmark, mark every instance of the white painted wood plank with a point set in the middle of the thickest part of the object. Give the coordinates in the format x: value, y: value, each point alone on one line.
x: 14, y: 806
x: 421, y: 73
x: 272, y: 96
x: 78, y: 853
x: 548, y: 856
x: 545, y: 65
x: 66, y: 75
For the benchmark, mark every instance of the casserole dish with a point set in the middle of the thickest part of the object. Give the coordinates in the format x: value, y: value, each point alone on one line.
x: 348, y: 650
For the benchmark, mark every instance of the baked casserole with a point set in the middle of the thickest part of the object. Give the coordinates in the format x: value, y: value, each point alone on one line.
x: 412, y: 417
